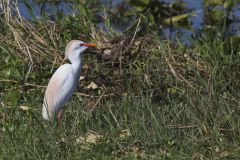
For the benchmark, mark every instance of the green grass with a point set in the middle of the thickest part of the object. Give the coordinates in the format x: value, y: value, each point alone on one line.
x: 160, y: 101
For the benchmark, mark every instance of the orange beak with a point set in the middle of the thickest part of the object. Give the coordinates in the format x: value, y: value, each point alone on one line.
x: 88, y: 44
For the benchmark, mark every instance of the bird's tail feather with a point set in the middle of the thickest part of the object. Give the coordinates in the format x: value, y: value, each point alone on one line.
x: 46, y: 114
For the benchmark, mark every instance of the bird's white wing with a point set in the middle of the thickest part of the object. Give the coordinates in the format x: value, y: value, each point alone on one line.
x: 59, y: 91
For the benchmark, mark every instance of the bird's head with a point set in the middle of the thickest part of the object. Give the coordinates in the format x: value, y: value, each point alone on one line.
x: 75, y: 48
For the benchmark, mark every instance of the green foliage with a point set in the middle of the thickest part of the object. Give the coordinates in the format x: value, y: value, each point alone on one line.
x: 158, y: 12
x: 220, y: 14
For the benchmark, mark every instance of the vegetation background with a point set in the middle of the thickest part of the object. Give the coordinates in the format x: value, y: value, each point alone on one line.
x: 164, y: 82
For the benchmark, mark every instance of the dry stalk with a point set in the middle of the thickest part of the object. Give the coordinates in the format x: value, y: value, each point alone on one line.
x: 30, y: 43
x: 24, y: 84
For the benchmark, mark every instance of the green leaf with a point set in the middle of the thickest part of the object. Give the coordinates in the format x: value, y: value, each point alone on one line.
x: 146, y: 2
x: 141, y: 3
x: 229, y: 4
x: 217, y: 15
x: 177, y: 18
x: 82, y: 10
x: 213, y: 2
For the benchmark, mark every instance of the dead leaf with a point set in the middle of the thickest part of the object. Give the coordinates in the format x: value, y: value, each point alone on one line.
x: 124, y: 94
x: 25, y: 108
x: 106, y: 54
x: 92, y: 85
x: 81, y: 78
x: 125, y: 133
x: 85, y: 66
x: 138, y: 152
x: 137, y: 43
x: 91, y: 138
x: 224, y: 154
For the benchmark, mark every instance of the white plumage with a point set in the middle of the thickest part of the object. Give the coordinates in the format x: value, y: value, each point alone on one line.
x: 64, y: 81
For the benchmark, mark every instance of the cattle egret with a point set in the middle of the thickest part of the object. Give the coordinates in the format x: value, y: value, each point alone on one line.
x: 64, y: 81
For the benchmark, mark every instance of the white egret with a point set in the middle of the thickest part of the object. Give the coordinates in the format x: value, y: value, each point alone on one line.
x: 64, y: 81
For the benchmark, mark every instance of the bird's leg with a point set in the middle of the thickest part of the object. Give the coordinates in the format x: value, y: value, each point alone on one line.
x: 60, y: 117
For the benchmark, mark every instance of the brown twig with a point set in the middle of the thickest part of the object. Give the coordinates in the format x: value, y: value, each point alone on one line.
x: 97, y: 101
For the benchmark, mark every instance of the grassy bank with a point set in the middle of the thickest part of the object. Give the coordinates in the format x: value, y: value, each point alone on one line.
x: 154, y: 99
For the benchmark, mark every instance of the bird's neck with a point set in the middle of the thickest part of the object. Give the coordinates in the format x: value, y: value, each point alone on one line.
x: 77, y: 68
